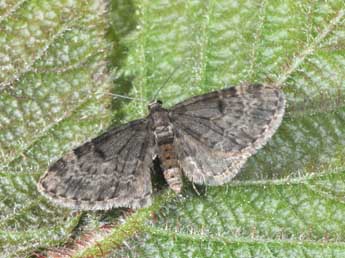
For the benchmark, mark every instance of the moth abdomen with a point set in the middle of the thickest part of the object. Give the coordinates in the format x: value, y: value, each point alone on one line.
x: 171, y: 167
x: 174, y: 178
x: 168, y: 156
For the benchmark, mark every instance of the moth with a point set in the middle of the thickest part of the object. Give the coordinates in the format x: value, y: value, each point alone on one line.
x: 206, y: 138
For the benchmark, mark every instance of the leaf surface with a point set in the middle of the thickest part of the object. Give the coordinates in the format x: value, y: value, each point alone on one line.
x: 289, y: 199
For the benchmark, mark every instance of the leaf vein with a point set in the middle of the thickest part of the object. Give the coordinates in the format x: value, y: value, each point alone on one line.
x: 310, y: 50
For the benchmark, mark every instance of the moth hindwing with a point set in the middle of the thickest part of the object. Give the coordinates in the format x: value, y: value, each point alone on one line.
x: 207, y: 138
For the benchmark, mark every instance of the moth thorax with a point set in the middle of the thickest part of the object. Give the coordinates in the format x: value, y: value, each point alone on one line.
x: 174, y: 179
x: 164, y: 134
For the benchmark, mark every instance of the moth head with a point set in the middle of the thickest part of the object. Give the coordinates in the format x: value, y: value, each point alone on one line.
x: 155, y: 105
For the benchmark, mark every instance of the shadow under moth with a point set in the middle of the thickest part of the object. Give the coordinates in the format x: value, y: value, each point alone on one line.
x: 206, y: 138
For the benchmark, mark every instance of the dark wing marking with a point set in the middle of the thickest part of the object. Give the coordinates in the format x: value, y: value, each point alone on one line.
x: 112, y: 170
x: 229, y: 125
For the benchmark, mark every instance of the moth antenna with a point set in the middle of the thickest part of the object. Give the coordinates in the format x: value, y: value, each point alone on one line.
x: 165, y: 82
x: 124, y: 97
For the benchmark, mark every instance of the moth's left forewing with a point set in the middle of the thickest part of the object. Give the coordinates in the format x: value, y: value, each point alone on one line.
x: 224, y: 128
x: 112, y: 170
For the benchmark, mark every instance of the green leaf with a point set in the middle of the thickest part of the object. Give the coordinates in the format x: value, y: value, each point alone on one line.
x: 288, y: 200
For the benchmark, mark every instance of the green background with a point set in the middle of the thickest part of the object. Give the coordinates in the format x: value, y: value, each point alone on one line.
x: 59, y: 62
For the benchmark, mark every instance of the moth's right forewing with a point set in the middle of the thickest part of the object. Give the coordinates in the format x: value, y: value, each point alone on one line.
x: 112, y: 170
x: 232, y: 120
x: 218, y: 131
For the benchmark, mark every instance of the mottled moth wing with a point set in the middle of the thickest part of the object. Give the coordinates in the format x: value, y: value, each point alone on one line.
x: 112, y: 170
x: 202, y: 166
x: 218, y: 131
